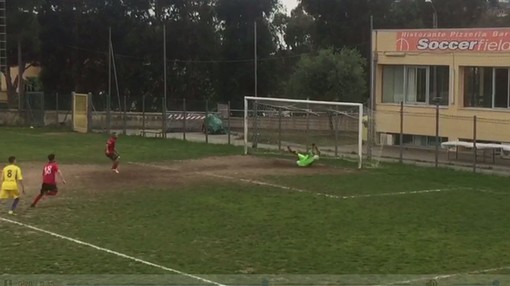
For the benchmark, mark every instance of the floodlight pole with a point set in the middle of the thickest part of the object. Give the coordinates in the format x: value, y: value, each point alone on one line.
x: 164, y: 82
x: 360, y: 138
x: 371, y: 105
x: 434, y: 69
x: 245, y: 126
x: 436, y: 159
x: 108, y: 96
x: 255, y: 106
x: 255, y: 57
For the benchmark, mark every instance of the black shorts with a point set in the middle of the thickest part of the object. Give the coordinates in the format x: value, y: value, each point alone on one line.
x: 113, y: 156
x: 49, y: 189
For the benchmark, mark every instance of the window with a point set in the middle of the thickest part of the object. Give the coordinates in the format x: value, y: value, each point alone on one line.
x: 416, y: 84
x: 440, y: 84
x: 486, y: 87
x: 393, y: 84
x: 418, y: 140
x: 477, y: 87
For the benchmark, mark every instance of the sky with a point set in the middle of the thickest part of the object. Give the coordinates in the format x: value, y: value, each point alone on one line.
x: 289, y: 4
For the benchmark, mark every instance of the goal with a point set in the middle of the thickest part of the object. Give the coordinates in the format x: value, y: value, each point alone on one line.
x: 81, y: 112
x: 275, y: 123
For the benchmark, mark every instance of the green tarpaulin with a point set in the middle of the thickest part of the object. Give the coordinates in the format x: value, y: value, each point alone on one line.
x: 214, y: 124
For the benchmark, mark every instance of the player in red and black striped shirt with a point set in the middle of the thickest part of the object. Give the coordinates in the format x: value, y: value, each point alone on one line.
x: 49, y: 180
x: 111, y: 152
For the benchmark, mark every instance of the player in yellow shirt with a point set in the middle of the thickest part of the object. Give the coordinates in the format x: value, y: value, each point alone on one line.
x: 11, y: 176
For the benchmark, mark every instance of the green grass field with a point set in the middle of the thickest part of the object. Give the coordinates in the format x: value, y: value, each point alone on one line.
x: 391, y: 220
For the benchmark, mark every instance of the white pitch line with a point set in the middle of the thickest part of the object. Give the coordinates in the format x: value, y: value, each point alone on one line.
x: 446, y: 276
x: 109, y: 251
x: 492, y: 192
x: 287, y: 188
x: 261, y: 183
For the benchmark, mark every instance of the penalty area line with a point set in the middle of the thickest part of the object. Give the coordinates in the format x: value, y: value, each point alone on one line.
x: 109, y: 251
x: 261, y: 183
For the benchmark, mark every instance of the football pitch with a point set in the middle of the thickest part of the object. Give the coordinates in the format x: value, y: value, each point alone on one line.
x: 196, y: 210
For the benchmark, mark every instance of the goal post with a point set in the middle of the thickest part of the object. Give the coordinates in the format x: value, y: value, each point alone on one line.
x: 81, y: 112
x: 275, y: 123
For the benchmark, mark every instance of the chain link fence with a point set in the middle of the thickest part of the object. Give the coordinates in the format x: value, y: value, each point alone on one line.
x: 478, y: 139
x: 439, y: 136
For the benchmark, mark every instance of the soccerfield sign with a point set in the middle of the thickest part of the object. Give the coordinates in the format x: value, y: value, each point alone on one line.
x: 454, y: 40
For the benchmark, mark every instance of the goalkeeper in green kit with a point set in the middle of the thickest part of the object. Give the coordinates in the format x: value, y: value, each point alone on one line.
x: 306, y: 160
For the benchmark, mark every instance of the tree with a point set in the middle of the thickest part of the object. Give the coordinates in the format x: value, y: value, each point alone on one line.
x: 459, y: 13
x: 22, y: 42
x: 330, y: 75
x: 236, y: 76
x: 339, y: 23
x: 298, y: 31
x: 75, y: 43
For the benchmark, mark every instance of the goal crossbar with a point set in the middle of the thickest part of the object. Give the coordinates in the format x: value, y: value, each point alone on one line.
x: 246, y: 98
x: 359, y: 106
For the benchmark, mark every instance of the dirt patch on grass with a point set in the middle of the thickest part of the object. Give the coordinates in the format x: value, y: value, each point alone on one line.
x: 250, y: 166
x: 99, y: 178
x: 171, y: 175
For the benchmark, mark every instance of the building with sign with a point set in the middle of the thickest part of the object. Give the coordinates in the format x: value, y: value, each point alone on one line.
x: 464, y: 71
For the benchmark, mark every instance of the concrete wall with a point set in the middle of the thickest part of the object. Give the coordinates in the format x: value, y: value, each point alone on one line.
x: 193, y: 122
x: 10, y: 117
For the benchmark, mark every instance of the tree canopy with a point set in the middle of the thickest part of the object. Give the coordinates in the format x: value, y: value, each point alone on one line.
x: 329, y: 75
x: 210, y: 43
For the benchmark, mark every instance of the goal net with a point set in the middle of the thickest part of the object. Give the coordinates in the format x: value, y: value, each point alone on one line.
x: 275, y: 123
x: 81, y: 112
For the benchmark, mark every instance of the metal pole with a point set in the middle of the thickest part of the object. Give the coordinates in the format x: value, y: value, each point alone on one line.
x: 163, y: 118
x: 205, y: 121
x: 184, y: 115
x: 474, y: 144
x: 165, y: 82
x: 307, y: 124
x: 143, y: 115
x: 279, y: 129
x: 73, y: 104
x: 56, y: 107
x: 401, y: 139
x: 255, y: 64
x: 20, y: 77
x: 43, y: 108
x: 255, y: 56
x: 255, y: 124
x: 335, y: 125
x: 372, y: 93
x: 124, y: 117
x: 116, y: 78
x: 245, y: 126
x: 89, y: 112
x: 228, y: 123
x: 434, y: 86
x: 360, y: 138
x: 437, y: 133
x: 108, y: 96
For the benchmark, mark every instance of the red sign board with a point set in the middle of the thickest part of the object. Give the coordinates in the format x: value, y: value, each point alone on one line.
x: 462, y: 40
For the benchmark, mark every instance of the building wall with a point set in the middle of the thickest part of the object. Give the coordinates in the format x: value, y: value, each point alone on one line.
x: 456, y: 121
x: 32, y: 71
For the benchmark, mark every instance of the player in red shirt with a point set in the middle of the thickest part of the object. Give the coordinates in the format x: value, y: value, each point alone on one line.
x: 49, y: 180
x: 111, y: 152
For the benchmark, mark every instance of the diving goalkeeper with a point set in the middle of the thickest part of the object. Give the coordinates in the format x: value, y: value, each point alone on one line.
x: 306, y: 160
